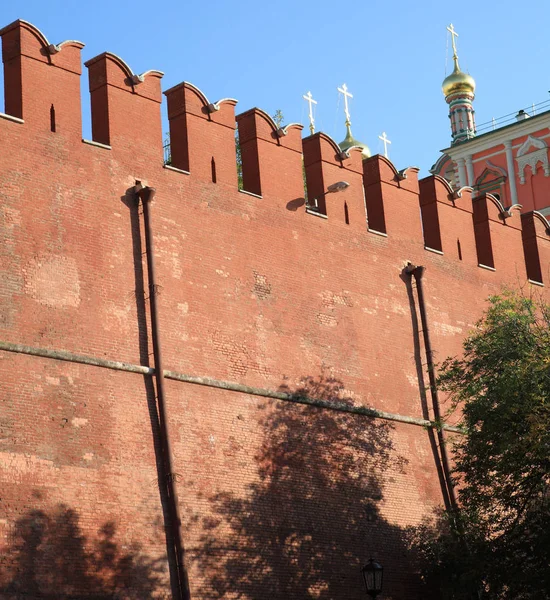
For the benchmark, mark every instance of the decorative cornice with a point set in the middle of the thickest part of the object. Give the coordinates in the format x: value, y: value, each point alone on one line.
x: 496, y: 169
x: 499, y: 136
x: 531, y: 142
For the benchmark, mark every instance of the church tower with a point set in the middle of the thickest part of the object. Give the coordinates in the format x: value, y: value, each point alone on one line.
x: 508, y: 157
x: 459, y: 90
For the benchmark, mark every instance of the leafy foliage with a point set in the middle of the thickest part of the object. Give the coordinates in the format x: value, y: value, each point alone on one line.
x: 502, y: 464
x: 239, y: 155
x: 279, y: 118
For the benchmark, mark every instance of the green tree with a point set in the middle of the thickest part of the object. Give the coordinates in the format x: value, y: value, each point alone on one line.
x: 167, y: 151
x: 279, y: 118
x: 239, y: 161
x: 502, y: 463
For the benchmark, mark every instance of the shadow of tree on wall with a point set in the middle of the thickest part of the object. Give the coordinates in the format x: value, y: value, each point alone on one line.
x: 312, y: 519
x: 49, y: 557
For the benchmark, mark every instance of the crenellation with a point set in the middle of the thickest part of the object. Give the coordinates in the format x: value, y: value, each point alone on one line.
x: 392, y: 199
x: 536, y: 246
x: 202, y: 144
x: 202, y: 134
x: 498, y: 237
x: 120, y: 100
x: 325, y: 164
x: 42, y: 80
x: 433, y: 191
x: 407, y: 178
x: 271, y: 156
x: 313, y: 171
x: 21, y: 38
x: 447, y: 220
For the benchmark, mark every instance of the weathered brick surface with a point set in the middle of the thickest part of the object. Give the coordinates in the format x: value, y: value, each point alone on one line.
x: 276, y: 499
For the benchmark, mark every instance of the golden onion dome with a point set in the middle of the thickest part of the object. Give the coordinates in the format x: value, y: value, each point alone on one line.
x: 458, y: 82
x: 349, y: 142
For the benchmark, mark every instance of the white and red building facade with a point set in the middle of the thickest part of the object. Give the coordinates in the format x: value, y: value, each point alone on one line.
x: 510, y: 162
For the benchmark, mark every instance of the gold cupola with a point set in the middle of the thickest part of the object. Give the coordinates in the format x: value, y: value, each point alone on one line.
x: 458, y: 82
x: 459, y: 89
x: 349, y: 142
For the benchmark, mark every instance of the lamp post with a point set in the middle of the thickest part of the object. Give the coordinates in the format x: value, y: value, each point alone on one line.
x: 333, y: 188
x: 372, y: 575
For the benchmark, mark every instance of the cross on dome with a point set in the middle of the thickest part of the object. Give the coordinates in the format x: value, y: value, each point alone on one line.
x: 386, y: 141
x: 350, y: 141
x: 309, y: 99
x: 344, y: 91
x: 459, y: 90
x: 454, y: 35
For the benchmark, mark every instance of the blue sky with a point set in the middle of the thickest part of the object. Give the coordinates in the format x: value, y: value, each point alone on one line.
x: 392, y: 55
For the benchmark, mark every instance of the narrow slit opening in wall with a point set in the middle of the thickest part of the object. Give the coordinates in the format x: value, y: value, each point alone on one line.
x: 213, y: 167
x: 346, y: 213
x: 459, y: 249
x: 52, y: 118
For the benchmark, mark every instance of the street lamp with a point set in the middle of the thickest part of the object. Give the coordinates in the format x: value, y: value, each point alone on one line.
x: 333, y: 188
x: 372, y: 574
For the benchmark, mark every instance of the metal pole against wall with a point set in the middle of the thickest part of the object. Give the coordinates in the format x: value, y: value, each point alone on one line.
x: 146, y: 195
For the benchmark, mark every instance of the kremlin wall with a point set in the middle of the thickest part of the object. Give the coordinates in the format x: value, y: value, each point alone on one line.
x: 242, y: 361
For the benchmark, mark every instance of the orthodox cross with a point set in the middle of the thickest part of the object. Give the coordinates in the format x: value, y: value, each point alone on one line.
x: 344, y: 90
x: 386, y: 142
x: 454, y: 34
x: 309, y: 99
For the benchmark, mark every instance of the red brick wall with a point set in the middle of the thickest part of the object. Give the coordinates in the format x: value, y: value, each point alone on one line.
x: 276, y: 499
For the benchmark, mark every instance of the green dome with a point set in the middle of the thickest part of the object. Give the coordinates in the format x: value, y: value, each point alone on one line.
x: 350, y: 141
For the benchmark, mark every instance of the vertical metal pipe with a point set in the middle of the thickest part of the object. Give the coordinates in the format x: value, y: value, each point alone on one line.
x: 418, y: 271
x: 146, y: 195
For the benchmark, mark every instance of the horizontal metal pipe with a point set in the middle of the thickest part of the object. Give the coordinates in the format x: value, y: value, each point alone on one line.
x: 223, y: 385
x: 76, y: 358
x: 316, y: 402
